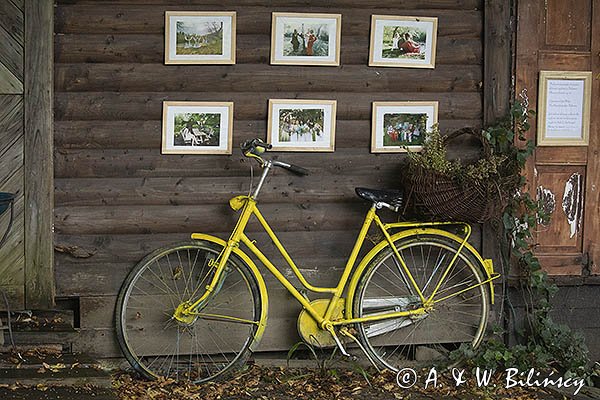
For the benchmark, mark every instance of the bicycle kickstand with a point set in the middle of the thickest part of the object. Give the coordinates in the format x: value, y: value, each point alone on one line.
x: 338, y: 342
x: 344, y: 331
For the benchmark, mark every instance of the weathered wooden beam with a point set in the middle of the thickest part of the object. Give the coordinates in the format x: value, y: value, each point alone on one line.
x: 253, y: 49
x: 38, y: 150
x: 138, y: 18
x: 261, y: 78
x: 251, y: 105
x: 497, y: 91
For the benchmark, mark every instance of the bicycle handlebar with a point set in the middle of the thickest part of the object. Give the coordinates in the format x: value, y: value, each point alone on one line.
x: 253, y: 148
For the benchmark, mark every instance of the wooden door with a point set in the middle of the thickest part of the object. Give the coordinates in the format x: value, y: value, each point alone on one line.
x: 564, y: 35
x: 12, y: 264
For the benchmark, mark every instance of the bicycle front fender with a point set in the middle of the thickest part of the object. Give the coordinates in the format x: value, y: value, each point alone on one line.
x: 259, y: 279
x: 485, y: 265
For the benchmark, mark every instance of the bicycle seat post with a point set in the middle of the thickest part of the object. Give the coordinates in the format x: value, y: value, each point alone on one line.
x: 266, y: 167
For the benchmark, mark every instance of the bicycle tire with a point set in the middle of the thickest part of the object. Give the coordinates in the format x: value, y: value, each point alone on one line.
x: 429, y: 340
x: 158, y: 346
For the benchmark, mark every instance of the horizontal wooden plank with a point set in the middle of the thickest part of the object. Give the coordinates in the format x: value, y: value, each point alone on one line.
x: 205, y: 190
x: 97, y: 18
x: 104, y: 249
x: 150, y: 163
x: 250, y: 106
x: 563, y: 155
x: 263, y: 78
x: 106, y: 279
x: 251, y: 49
x: 404, y: 4
x: 147, y: 134
x: 162, y: 219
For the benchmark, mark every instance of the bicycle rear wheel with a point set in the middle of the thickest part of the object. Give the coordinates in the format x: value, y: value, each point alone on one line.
x: 208, y: 345
x: 425, y: 340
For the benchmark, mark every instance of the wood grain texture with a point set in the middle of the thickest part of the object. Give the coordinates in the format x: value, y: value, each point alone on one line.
x: 9, y: 83
x: 365, y: 4
x: 11, y: 54
x: 252, y: 49
x: 146, y: 134
x: 12, y: 276
x: 592, y: 196
x: 38, y: 149
x: 135, y: 106
x: 149, y: 19
x: 261, y: 78
x: 11, y: 19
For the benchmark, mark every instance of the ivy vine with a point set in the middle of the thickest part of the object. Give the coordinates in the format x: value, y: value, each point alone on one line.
x: 545, y: 344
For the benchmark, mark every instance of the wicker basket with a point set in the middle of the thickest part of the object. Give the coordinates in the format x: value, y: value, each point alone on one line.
x: 446, y: 198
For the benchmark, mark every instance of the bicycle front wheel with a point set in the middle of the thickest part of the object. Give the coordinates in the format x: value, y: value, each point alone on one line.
x: 422, y: 340
x: 209, y: 344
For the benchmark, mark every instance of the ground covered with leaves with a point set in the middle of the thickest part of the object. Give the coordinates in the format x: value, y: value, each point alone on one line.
x: 314, y: 384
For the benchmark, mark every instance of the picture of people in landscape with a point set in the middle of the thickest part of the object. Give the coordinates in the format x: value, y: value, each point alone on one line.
x: 404, y: 42
x: 201, y: 129
x: 305, y: 39
x: 404, y: 129
x: 301, y: 125
x: 199, y: 37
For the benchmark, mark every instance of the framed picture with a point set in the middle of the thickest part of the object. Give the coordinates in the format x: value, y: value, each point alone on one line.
x: 402, y: 41
x: 564, y: 108
x: 198, y: 37
x: 305, y: 39
x: 301, y: 125
x: 402, y: 125
x: 193, y: 127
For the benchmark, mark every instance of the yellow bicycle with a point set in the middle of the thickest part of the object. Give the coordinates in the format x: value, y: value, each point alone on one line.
x: 196, y: 310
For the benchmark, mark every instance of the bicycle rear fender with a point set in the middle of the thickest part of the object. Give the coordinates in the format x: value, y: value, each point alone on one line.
x: 259, y: 279
x: 486, y: 265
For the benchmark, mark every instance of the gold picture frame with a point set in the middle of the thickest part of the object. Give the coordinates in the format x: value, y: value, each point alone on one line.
x: 200, y: 37
x: 305, y: 39
x: 397, y: 126
x: 197, y: 127
x: 403, y: 41
x: 564, y: 104
x: 302, y: 125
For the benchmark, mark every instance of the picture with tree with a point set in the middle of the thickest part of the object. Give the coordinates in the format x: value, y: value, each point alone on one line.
x: 404, y: 129
x: 197, y: 129
x: 200, y: 37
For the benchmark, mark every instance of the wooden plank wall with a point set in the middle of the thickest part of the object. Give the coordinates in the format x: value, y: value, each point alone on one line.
x: 12, y: 275
x: 117, y: 197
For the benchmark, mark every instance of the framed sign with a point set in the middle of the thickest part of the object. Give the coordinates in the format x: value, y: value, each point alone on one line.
x: 398, y: 41
x: 301, y: 125
x: 564, y: 108
x: 305, y: 39
x: 196, y: 127
x: 199, y: 37
x: 401, y: 125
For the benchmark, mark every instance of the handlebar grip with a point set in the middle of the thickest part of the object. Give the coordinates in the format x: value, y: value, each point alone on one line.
x: 295, y: 169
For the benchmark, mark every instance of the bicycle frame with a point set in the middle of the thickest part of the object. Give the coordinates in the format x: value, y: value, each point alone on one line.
x: 249, y: 208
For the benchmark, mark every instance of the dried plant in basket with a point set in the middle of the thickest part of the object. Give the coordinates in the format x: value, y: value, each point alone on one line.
x: 476, y: 192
